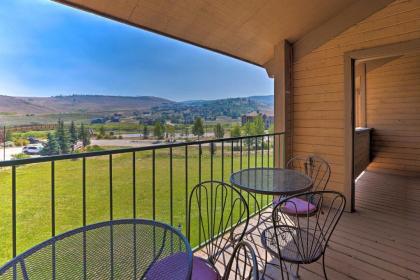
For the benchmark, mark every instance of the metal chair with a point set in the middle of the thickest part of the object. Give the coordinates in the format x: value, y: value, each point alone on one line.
x: 303, y: 239
x: 218, y: 215
x: 119, y: 249
x: 318, y: 170
x: 242, y: 264
x: 313, y: 166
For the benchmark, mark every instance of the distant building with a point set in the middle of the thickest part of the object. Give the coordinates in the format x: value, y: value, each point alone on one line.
x: 267, y: 118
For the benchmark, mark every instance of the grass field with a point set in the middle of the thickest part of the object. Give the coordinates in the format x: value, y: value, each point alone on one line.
x: 34, y: 190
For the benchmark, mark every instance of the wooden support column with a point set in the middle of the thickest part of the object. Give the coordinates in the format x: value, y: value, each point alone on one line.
x: 280, y: 68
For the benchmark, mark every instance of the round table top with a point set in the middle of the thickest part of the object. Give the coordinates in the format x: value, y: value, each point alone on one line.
x: 273, y: 181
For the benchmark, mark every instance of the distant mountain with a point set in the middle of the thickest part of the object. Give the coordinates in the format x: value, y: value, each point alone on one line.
x: 10, y: 105
x: 77, y: 103
x: 267, y: 100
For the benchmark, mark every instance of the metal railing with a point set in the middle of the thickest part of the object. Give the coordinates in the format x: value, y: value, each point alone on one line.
x: 41, y: 197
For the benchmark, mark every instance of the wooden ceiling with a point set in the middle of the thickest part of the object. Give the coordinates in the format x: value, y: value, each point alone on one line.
x: 244, y: 29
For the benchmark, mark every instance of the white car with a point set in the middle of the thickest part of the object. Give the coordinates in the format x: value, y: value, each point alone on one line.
x: 34, y: 149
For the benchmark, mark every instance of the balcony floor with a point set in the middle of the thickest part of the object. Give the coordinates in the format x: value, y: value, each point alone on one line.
x: 381, y: 240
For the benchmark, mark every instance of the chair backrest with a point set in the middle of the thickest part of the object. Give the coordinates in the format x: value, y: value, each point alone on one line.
x: 120, y: 249
x: 313, y: 166
x: 216, y: 209
x: 307, y: 233
x: 242, y: 264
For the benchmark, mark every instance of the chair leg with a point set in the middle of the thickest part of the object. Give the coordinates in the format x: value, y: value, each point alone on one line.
x: 323, y: 266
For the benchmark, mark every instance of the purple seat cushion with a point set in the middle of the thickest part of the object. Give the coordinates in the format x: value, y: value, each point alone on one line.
x: 202, y: 270
x: 175, y: 267
x: 170, y: 268
x: 296, y: 206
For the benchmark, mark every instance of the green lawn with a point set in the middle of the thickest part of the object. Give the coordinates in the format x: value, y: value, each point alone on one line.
x: 34, y: 191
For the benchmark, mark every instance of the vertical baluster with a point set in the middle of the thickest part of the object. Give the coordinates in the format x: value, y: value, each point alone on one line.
x: 84, y: 216
x: 268, y: 162
x: 154, y: 184
x: 186, y: 188
x: 199, y: 193
x: 111, y: 210
x: 248, y: 164
x: 84, y: 190
x: 111, y: 216
x: 255, y: 166
x: 53, y: 256
x: 171, y: 198
x: 231, y: 171
x: 262, y: 166
x: 14, y: 210
x: 171, y: 185
x: 240, y: 168
x: 134, y: 186
x: 52, y: 198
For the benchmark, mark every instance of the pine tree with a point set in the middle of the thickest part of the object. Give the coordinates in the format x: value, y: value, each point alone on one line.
x: 219, y: 131
x: 62, y: 138
x: 73, y: 134
x: 198, y: 128
x: 158, y: 130
x: 145, y: 132
x: 84, y: 135
x: 52, y: 147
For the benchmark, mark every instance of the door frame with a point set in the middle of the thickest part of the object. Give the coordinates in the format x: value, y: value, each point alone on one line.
x: 383, y: 51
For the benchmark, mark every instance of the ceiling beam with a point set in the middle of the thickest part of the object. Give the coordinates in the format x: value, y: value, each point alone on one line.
x: 347, y: 18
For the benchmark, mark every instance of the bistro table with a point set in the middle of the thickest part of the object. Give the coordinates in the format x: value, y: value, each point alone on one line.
x: 270, y: 181
x: 119, y: 249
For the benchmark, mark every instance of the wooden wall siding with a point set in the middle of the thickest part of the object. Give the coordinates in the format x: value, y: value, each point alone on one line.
x: 362, y: 150
x: 393, y: 110
x: 318, y: 78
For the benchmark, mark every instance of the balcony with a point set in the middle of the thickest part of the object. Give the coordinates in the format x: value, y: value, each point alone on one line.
x: 43, y: 197
x: 74, y: 190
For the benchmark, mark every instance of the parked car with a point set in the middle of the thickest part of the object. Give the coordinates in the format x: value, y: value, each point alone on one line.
x: 33, y: 149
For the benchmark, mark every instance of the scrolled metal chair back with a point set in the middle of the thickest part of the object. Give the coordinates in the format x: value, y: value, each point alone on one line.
x: 216, y: 209
x: 243, y: 263
x: 313, y: 166
x: 304, y: 237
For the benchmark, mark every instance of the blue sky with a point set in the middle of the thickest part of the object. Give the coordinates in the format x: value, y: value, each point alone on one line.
x: 50, y: 49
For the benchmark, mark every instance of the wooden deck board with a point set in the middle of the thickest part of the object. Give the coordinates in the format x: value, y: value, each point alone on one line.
x: 381, y: 240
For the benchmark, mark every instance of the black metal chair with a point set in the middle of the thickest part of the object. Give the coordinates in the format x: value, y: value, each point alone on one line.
x: 119, y: 249
x: 242, y: 264
x: 313, y: 166
x: 218, y: 215
x: 299, y: 238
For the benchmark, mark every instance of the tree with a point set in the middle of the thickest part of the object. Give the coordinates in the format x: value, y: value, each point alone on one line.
x: 145, y: 132
x: 235, y: 131
x: 73, y: 134
x: 198, y: 128
x: 62, y: 138
x: 170, y: 131
x: 158, y: 130
x: 249, y: 128
x: 102, y: 131
x: 187, y: 131
x: 52, y: 147
x: 84, y: 136
x: 259, y: 126
x: 219, y: 131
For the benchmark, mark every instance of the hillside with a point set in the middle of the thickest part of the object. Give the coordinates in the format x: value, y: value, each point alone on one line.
x: 77, y: 104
